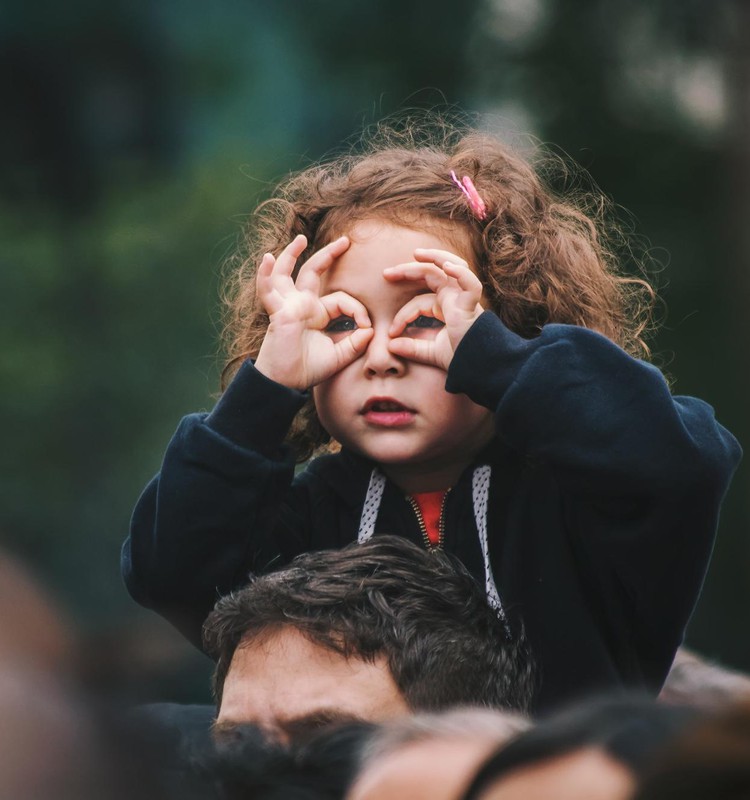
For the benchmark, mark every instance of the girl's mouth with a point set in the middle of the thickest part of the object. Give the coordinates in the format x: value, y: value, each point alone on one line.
x: 386, y: 412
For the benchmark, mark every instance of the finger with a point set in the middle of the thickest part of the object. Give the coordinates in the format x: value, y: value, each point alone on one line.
x: 264, y: 284
x: 458, y: 275
x: 308, y: 278
x: 420, y: 350
x: 351, y: 348
x: 341, y: 304
x: 288, y: 257
x: 467, y: 279
x: 437, y: 256
x: 421, y: 304
x: 469, y: 283
x: 412, y: 271
x: 431, y: 275
x: 263, y: 273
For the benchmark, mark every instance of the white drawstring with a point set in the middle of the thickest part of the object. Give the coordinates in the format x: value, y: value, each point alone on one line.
x: 372, y: 504
x: 480, y: 491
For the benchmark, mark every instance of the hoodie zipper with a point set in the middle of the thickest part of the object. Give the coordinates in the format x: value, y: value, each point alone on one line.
x: 423, y: 528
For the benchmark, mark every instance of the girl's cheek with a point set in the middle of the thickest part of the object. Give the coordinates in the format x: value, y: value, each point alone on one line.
x: 324, y: 395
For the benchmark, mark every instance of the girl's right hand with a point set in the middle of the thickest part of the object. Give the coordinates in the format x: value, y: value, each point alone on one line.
x: 297, y: 350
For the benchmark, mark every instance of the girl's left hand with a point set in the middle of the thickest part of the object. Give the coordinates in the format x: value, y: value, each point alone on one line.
x: 455, y: 298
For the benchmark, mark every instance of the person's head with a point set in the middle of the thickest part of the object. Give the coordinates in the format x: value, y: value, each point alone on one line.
x: 58, y: 738
x: 591, y: 751
x: 696, y: 681
x: 34, y: 631
x: 366, y: 632
x: 246, y: 764
x: 709, y: 761
x: 431, y: 755
x: 540, y: 257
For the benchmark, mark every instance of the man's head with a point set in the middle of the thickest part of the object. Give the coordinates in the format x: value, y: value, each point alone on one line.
x: 366, y: 632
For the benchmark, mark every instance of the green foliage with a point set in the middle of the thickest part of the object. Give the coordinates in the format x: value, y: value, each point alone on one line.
x: 108, y: 337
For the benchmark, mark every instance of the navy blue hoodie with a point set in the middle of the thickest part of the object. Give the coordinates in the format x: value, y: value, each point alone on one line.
x: 603, y: 503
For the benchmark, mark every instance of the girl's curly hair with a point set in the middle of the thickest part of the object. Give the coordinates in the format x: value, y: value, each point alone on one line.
x: 543, y: 254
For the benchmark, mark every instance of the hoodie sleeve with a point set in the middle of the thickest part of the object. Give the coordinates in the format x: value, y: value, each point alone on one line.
x: 642, y: 472
x: 224, y: 475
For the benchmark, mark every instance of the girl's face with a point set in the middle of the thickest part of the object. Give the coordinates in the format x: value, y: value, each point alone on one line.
x: 391, y: 410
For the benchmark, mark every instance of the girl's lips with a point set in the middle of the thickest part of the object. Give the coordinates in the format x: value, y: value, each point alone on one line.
x: 386, y: 412
x: 389, y: 419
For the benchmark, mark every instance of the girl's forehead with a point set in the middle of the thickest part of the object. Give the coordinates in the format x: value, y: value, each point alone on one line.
x: 377, y: 244
x: 358, y: 228
x: 420, y: 232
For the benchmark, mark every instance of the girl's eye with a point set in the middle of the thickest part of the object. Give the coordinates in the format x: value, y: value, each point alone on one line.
x: 341, y: 325
x: 423, y: 321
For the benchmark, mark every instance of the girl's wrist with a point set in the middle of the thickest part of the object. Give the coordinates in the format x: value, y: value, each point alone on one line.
x: 266, y: 368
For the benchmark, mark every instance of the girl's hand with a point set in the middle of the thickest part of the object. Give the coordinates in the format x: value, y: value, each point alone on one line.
x: 454, y: 300
x: 297, y: 351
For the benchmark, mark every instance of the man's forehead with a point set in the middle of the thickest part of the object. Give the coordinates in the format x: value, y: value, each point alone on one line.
x: 285, y: 681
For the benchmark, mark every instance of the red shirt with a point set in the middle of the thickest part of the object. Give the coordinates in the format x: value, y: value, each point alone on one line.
x: 431, y: 506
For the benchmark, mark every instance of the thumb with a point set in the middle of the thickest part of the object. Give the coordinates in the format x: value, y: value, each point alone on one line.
x: 422, y: 351
x: 353, y: 346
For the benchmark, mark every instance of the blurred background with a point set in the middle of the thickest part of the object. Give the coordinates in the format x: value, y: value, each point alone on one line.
x: 136, y: 138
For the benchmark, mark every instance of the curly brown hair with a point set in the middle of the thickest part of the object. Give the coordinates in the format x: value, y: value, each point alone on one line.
x: 543, y: 254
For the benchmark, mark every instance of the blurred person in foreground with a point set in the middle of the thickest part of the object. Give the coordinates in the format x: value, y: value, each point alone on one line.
x: 595, y: 750
x: 709, y: 761
x: 45, y: 739
x: 431, y: 756
x: 246, y: 765
x: 441, y: 749
x: 698, y: 681
x: 56, y: 741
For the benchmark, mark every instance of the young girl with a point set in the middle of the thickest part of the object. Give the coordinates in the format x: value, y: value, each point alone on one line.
x: 464, y: 336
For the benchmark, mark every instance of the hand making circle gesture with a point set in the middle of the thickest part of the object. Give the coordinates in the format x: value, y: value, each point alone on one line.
x: 296, y: 350
x: 454, y: 299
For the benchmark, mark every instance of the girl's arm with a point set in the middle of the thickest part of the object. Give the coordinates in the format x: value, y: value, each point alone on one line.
x: 205, y: 521
x: 642, y: 472
x: 573, y: 398
x: 223, y: 503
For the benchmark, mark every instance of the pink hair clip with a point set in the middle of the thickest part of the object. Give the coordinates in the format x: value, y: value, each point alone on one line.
x: 476, y: 204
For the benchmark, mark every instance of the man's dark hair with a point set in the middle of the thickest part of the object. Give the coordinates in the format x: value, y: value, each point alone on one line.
x: 421, y: 611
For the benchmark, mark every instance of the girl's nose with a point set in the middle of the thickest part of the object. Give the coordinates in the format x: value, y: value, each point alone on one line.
x: 378, y: 359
